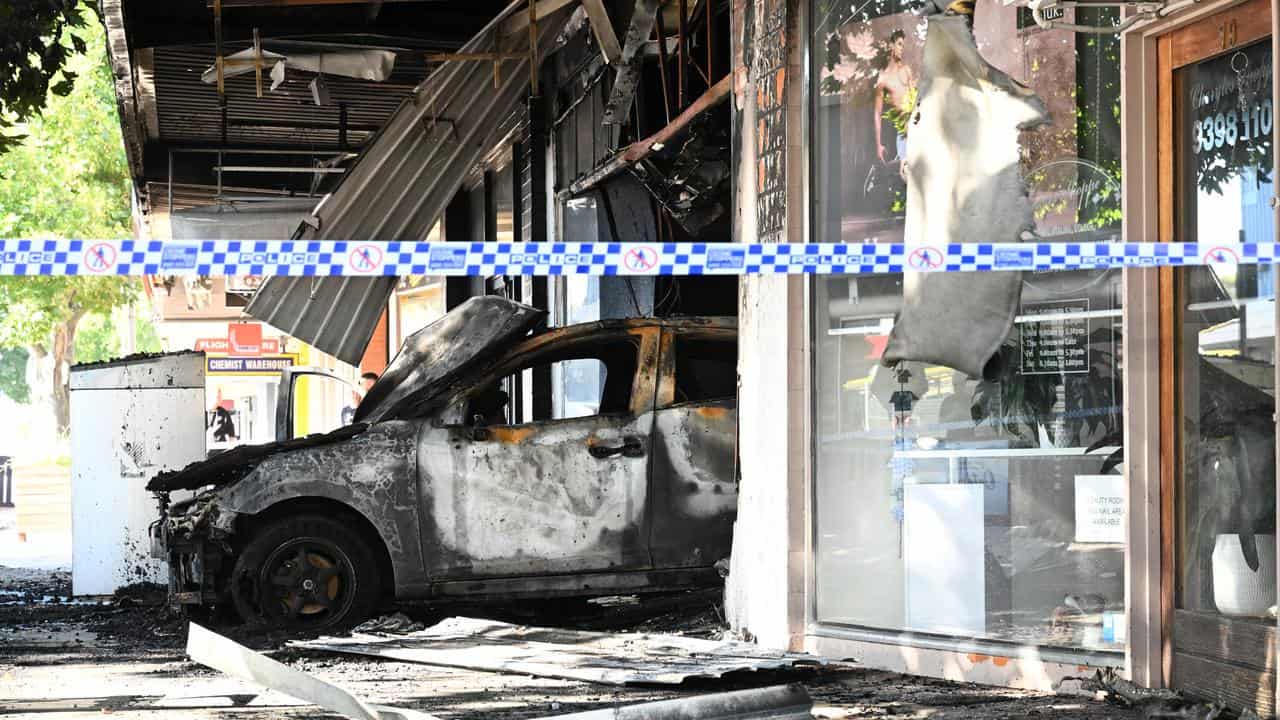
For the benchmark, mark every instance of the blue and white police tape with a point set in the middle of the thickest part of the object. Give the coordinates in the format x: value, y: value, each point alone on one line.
x: 395, y: 258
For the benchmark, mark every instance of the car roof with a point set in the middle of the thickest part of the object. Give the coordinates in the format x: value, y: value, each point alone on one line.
x: 685, y: 322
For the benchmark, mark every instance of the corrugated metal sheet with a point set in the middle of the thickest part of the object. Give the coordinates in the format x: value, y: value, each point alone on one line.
x: 189, y: 114
x: 597, y: 657
x: 400, y: 186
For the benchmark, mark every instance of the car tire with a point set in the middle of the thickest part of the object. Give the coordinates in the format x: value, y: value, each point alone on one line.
x: 305, y: 572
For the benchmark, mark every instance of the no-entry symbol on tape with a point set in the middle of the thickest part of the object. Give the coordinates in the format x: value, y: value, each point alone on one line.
x: 640, y: 259
x: 100, y: 257
x: 365, y: 258
x: 1221, y: 256
x: 925, y: 259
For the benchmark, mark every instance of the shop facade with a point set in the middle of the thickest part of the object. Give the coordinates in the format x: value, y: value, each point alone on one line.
x: 1105, y: 495
x: 244, y: 359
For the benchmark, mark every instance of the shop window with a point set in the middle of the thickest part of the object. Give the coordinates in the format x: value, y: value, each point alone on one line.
x: 949, y: 505
x: 970, y: 506
x: 706, y: 370
x: 866, y: 73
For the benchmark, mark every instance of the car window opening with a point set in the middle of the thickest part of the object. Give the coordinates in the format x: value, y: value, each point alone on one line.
x: 705, y: 370
x: 597, y: 379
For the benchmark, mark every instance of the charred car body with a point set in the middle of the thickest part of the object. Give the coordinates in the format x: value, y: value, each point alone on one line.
x: 440, y: 490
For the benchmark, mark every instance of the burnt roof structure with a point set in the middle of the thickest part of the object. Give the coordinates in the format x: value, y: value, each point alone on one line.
x: 176, y: 124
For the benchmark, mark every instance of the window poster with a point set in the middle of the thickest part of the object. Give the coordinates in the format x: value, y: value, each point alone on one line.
x: 868, y: 59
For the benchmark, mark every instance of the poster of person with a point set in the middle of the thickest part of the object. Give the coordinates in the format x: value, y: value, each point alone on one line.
x: 867, y: 69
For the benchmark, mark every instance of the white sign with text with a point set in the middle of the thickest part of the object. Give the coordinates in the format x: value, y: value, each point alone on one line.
x: 1100, y: 506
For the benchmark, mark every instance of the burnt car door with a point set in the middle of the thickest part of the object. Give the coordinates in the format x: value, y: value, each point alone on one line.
x: 694, y: 492
x: 559, y: 495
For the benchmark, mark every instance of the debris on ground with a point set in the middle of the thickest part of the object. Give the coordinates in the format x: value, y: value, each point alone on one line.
x: 1155, y: 703
x: 36, y: 607
x: 220, y: 653
x: 786, y: 702
x: 396, y: 624
x: 21, y: 585
x: 130, y: 662
x: 781, y: 702
x: 597, y: 657
x: 141, y: 593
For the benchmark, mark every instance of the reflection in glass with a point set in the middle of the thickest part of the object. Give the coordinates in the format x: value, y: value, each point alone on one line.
x: 965, y: 505
x: 1226, y: 499
x: 948, y: 504
x: 1226, y: 120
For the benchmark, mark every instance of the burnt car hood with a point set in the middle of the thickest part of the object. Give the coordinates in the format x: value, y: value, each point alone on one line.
x: 230, y: 466
x: 435, y: 357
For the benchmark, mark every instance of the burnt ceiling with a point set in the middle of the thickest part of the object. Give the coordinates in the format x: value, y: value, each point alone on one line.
x: 170, y: 44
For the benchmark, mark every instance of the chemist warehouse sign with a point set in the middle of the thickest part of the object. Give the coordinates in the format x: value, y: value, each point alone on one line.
x: 264, y: 365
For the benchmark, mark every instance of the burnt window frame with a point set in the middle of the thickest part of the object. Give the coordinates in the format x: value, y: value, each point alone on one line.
x: 643, y: 339
x: 671, y: 337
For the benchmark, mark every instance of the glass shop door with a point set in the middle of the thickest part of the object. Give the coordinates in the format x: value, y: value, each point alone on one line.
x: 1218, y: 362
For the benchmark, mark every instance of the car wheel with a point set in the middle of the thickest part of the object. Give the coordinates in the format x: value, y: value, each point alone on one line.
x: 305, y: 572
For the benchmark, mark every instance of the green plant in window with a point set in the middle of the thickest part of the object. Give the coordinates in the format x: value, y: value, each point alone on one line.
x: 1020, y: 404
x: 1015, y: 404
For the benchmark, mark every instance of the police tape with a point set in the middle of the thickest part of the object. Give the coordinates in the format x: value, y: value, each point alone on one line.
x: 397, y: 258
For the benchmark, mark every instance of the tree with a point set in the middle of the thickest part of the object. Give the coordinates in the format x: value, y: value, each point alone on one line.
x: 98, y: 338
x: 13, y: 374
x: 35, y: 45
x: 43, y: 314
x: 67, y: 178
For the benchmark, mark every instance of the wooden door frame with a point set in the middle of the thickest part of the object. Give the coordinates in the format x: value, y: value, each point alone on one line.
x: 1149, y: 379
x: 1216, y: 32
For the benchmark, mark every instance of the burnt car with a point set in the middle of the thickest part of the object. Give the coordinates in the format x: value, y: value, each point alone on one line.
x: 442, y: 488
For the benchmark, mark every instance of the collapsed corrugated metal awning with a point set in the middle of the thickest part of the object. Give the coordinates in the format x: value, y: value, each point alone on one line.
x: 401, y: 184
x: 596, y: 657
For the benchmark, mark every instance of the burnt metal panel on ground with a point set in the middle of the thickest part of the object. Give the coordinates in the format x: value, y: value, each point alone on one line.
x: 401, y: 185
x: 781, y: 702
x: 597, y: 657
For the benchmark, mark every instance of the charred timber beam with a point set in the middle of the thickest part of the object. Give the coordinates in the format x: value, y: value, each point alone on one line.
x: 639, y: 150
x: 603, y: 28
x: 624, y: 85
x: 520, y: 20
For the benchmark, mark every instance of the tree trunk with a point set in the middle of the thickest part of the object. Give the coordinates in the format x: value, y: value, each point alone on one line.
x: 64, y: 355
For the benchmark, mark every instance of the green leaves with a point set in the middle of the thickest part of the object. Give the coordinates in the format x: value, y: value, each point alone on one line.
x: 68, y: 176
x: 36, y: 43
x: 32, y: 307
x: 13, y: 375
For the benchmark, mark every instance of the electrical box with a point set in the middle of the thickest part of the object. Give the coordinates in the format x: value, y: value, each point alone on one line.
x: 130, y: 419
